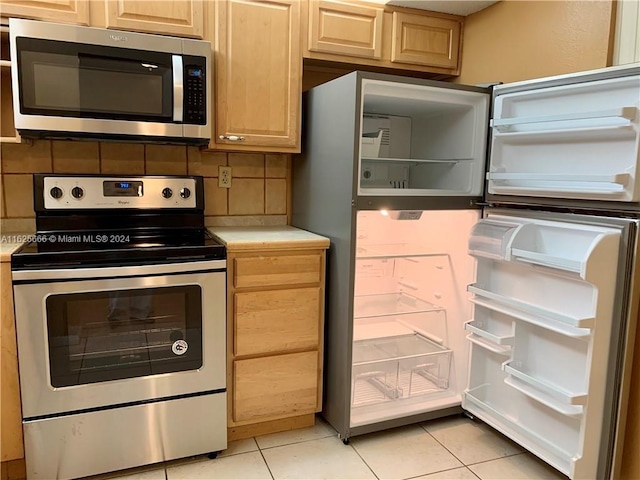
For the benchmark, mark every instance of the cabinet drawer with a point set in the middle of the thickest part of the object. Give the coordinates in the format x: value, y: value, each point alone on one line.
x: 353, y: 30
x: 272, y: 387
x: 273, y: 270
x: 276, y: 320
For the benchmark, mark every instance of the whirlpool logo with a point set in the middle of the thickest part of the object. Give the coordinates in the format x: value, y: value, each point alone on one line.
x: 118, y: 38
x: 123, y: 202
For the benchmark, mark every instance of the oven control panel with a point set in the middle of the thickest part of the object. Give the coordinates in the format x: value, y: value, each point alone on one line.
x: 80, y: 192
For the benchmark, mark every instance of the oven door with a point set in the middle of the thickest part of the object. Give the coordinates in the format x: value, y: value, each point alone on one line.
x: 91, y: 338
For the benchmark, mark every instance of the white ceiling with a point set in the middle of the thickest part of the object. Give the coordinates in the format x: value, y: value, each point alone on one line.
x: 456, y: 7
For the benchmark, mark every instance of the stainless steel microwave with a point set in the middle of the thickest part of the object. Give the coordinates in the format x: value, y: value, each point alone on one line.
x: 83, y: 82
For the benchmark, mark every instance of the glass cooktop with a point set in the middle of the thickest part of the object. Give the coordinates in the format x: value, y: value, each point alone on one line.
x: 113, y: 248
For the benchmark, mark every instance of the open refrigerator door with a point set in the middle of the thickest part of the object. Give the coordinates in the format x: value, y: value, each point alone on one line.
x: 543, y: 313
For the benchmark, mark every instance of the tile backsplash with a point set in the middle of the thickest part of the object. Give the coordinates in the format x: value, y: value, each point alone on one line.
x: 259, y: 193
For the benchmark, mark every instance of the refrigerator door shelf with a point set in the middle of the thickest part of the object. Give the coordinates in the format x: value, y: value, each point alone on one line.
x: 555, y: 391
x: 488, y: 403
x: 573, y: 141
x: 569, y: 410
x: 612, y: 116
x: 492, y: 347
x: 567, y: 249
x: 492, y: 238
x: 482, y: 329
x: 530, y: 137
x: 531, y: 313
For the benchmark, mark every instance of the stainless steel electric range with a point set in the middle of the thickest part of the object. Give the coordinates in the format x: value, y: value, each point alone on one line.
x: 120, y: 311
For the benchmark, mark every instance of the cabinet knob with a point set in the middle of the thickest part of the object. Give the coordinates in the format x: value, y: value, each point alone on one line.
x: 231, y: 138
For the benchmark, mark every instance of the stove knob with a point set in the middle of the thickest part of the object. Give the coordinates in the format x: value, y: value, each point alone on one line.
x: 77, y: 192
x: 56, y: 192
x: 185, y: 193
x: 167, y: 192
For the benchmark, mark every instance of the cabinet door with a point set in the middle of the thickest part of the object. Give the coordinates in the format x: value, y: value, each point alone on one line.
x: 425, y: 40
x: 353, y: 30
x: 276, y: 320
x: 183, y: 18
x: 11, y: 415
x: 65, y: 11
x: 258, y: 75
x: 275, y: 387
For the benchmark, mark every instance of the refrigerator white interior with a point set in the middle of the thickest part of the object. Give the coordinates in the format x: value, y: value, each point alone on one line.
x: 543, y: 309
x: 409, y: 352
x: 421, y: 140
x: 570, y: 141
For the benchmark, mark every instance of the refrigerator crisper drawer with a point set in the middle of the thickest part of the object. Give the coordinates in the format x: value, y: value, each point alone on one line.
x: 576, y: 141
x: 394, y: 368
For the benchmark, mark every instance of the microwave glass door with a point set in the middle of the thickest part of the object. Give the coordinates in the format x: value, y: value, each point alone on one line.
x: 88, y: 81
x: 110, y: 335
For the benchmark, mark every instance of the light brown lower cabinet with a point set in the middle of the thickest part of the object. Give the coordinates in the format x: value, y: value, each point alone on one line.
x: 278, y: 320
x: 275, y: 341
x: 276, y: 386
x: 11, y: 447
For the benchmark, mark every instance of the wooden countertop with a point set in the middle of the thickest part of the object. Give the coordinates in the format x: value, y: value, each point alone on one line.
x: 268, y: 238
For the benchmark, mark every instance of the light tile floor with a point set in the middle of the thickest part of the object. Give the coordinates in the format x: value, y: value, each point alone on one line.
x: 449, y: 448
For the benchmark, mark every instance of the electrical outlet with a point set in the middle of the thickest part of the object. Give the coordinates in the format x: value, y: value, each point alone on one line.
x: 224, y: 177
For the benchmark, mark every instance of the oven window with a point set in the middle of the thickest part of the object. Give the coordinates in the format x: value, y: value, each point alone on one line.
x: 96, y: 337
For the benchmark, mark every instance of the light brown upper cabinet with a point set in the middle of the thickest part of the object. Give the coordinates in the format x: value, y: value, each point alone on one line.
x: 363, y: 34
x: 258, y: 75
x: 352, y: 30
x: 63, y: 11
x: 180, y: 18
x: 422, y: 40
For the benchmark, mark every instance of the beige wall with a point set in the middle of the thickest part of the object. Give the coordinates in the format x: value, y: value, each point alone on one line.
x: 516, y: 40
x: 258, y: 194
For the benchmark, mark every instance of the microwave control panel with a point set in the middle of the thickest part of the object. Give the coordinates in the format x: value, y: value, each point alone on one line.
x: 195, y: 91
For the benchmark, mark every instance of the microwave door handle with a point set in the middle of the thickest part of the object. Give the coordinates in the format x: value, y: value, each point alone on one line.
x: 178, y: 87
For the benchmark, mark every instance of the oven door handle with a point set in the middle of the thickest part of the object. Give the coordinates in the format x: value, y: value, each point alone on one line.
x: 62, y: 274
x: 178, y: 87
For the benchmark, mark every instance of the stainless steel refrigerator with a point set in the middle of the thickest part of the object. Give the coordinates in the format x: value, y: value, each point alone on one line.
x: 483, y: 255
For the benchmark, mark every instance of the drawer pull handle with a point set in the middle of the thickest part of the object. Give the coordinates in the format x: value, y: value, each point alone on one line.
x: 231, y: 138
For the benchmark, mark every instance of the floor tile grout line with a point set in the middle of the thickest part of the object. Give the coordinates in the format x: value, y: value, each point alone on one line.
x: 293, y: 443
x: 363, y: 460
x: 474, y: 463
x: 441, y: 444
x: 494, y: 459
x: 265, y: 462
x: 440, y: 471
